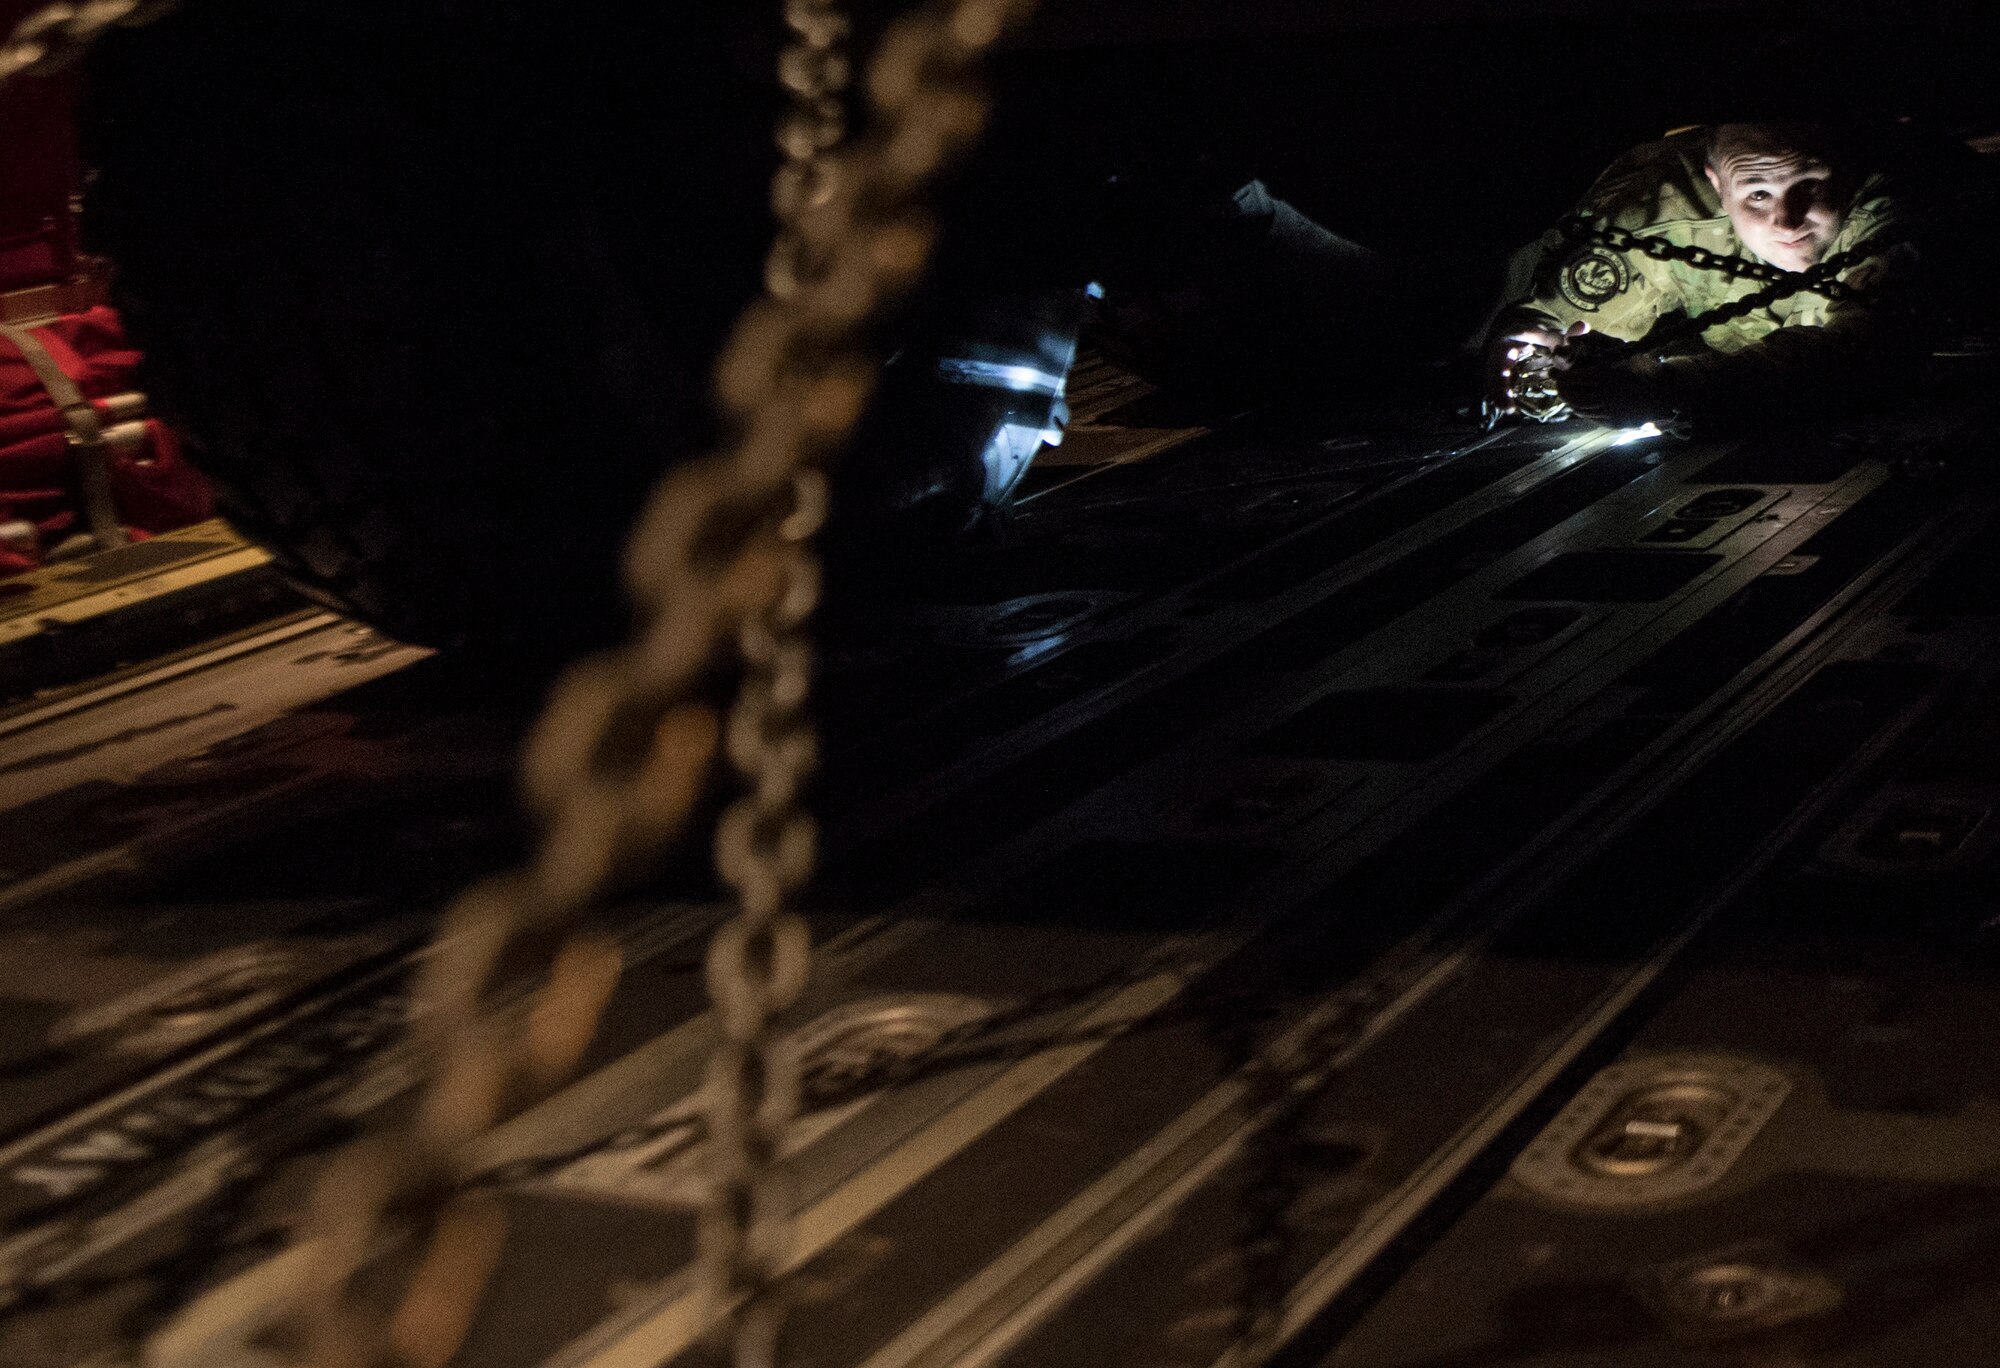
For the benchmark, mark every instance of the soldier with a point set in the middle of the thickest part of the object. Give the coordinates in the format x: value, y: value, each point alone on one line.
x: 1690, y: 224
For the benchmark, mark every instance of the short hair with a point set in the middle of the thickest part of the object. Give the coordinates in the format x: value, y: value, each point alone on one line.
x: 1724, y: 139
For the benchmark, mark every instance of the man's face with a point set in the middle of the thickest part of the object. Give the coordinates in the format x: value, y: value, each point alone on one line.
x: 1781, y: 200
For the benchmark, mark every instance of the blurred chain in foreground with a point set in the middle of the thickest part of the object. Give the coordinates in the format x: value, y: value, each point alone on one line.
x: 56, y: 35
x: 719, y: 564
x: 853, y: 237
x: 757, y: 963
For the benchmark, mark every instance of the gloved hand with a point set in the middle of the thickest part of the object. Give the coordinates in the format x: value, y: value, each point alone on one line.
x: 1519, y: 362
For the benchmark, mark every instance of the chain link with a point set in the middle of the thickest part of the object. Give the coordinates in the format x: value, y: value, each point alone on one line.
x: 719, y: 563
x: 1821, y: 278
x: 56, y: 35
x: 1579, y: 228
x: 214, y: 1236
x: 1818, y: 279
x: 844, y: 220
x: 757, y: 963
x: 1537, y: 393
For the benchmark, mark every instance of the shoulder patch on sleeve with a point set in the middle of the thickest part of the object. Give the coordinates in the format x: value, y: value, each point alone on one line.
x: 1593, y: 279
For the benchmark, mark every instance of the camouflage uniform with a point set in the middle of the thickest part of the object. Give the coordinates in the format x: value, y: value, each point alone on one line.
x: 1804, y: 353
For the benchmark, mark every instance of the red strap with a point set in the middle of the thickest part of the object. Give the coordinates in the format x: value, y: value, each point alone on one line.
x: 64, y: 355
x: 86, y: 432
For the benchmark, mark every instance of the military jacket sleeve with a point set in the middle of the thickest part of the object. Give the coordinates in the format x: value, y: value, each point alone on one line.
x: 1655, y: 191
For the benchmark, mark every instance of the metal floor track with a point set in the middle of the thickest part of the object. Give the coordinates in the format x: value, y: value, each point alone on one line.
x: 1393, y: 900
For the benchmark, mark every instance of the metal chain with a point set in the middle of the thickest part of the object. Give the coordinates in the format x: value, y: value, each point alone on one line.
x: 851, y: 228
x: 214, y: 1238
x: 757, y: 964
x: 56, y: 35
x: 1820, y: 278
x: 618, y: 760
x: 1600, y: 232
x: 1538, y: 393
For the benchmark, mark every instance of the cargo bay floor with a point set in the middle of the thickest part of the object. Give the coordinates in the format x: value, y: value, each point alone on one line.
x: 1403, y: 897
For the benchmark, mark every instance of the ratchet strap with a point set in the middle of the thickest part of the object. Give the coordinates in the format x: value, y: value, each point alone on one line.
x: 89, y: 438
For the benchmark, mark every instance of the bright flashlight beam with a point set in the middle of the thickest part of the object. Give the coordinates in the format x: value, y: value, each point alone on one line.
x: 1628, y: 436
x: 1020, y: 379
